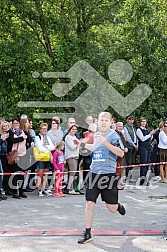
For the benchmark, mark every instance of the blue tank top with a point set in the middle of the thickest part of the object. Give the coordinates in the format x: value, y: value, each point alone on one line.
x: 104, y: 160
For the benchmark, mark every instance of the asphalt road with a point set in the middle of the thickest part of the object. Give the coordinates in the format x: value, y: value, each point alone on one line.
x: 55, y: 224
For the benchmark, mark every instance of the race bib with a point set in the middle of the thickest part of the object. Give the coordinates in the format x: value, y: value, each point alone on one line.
x: 98, y: 156
x: 60, y: 159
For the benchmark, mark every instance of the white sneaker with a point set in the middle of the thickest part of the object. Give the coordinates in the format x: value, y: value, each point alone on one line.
x: 40, y: 194
x: 50, y: 188
x: 73, y: 192
x: 156, y: 178
x: 132, y: 180
x: 46, y: 193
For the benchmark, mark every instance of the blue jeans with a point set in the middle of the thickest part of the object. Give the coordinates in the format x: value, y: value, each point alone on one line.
x: 1, y: 176
x: 144, y: 159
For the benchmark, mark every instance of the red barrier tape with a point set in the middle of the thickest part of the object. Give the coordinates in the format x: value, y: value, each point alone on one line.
x: 137, y: 165
x: 38, y: 173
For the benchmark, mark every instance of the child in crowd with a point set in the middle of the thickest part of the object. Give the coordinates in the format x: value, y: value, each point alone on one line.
x: 58, y: 163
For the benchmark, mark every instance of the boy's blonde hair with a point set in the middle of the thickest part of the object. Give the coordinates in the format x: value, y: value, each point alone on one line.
x: 105, y: 114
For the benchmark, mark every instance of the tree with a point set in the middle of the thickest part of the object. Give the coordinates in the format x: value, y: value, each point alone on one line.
x: 47, y: 36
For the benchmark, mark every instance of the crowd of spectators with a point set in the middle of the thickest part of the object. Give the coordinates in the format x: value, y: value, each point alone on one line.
x: 62, y: 150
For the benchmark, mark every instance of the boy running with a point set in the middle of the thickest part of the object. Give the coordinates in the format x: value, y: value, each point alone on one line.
x: 102, y: 177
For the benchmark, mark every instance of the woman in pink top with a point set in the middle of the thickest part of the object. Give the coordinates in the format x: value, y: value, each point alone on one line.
x: 58, y: 163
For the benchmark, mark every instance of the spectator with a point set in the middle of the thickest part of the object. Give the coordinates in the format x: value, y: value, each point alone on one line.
x: 155, y: 152
x: 59, y: 120
x: 43, y: 144
x: 26, y: 163
x: 120, y: 160
x: 23, y: 116
x: 72, y: 157
x: 113, y: 125
x: 71, y: 121
x: 58, y: 163
x: 55, y: 133
x: 17, y: 141
x: 31, y: 184
x: 163, y: 152
x: 5, y: 126
x: 24, y: 124
x: 144, y: 147
x: 88, y: 121
x: 131, y: 138
x: 3, y: 138
x: 30, y: 129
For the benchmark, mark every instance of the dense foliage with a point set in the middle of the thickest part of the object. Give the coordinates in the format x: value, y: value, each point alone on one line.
x: 51, y: 35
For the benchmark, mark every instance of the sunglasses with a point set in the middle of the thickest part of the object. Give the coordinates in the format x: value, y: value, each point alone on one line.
x: 131, y: 118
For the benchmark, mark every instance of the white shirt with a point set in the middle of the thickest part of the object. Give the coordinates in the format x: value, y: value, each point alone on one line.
x: 162, y: 140
x: 39, y: 144
x: 71, y: 149
x: 140, y: 135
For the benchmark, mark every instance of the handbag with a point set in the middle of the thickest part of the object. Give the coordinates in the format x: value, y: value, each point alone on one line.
x: 41, y: 156
x: 12, y: 156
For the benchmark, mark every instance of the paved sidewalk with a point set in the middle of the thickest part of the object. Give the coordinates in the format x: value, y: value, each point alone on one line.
x: 146, y: 212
